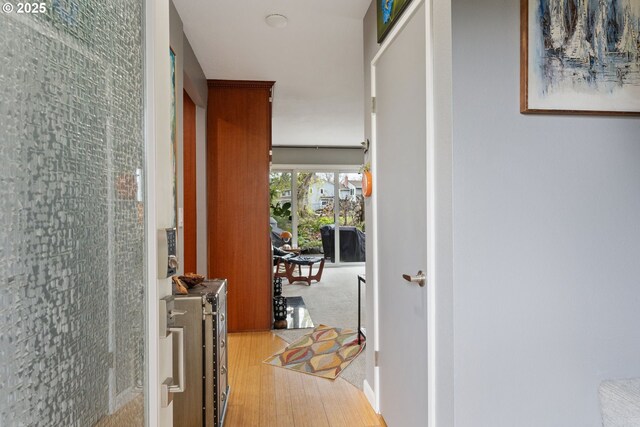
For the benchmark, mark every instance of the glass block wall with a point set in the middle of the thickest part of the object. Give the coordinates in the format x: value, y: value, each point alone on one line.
x: 71, y: 212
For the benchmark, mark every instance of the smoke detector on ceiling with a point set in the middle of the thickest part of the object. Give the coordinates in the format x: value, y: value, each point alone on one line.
x: 276, y: 20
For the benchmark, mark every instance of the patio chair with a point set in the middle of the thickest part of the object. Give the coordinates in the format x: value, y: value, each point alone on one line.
x: 276, y: 240
x: 280, y: 258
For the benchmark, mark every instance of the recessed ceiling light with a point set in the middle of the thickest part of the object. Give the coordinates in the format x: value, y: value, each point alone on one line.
x: 276, y: 20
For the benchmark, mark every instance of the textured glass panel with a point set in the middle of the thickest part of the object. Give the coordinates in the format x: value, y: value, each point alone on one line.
x: 72, y: 235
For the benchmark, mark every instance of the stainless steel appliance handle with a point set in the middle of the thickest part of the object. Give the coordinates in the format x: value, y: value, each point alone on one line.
x: 180, y: 387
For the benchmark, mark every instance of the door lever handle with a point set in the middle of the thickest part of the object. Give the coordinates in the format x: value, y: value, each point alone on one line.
x: 420, y: 278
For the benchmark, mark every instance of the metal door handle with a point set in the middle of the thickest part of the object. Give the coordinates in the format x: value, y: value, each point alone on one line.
x: 420, y: 278
x: 180, y: 387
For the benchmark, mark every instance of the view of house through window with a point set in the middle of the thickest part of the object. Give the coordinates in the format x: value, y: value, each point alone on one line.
x: 280, y: 200
x: 307, y: 204
x: 315, y: 212
x: 352, y: 225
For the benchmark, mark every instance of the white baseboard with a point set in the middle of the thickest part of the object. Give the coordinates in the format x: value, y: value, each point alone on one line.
x: 370, y: 395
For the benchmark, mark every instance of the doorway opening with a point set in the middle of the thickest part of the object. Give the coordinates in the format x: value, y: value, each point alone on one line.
x: 318, y: 213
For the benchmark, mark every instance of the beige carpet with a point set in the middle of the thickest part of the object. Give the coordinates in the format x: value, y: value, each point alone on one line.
x: 332, y: 301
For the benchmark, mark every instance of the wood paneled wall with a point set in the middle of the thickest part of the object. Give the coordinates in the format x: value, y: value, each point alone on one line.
x: 238, y: 144
x: 189, y: 187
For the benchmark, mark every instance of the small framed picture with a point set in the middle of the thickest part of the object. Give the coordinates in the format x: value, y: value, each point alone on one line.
x: 389, y: 12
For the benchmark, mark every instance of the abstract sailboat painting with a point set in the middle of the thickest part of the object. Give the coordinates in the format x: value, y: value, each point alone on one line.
x: 580, y: 56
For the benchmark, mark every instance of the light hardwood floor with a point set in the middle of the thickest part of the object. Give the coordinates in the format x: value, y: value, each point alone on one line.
x: 264, y: 396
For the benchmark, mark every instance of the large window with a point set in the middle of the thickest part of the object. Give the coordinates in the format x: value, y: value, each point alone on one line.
x: 351, y: 218
x: 315, y: 211
x: 309, y: 204
x: 280, y: 195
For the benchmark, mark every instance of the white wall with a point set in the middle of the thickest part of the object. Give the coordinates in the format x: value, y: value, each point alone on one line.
x: 546, y: 241
x: 201, y: 192
x: 195, y: 82
x: 190, y: 78
x: 176, y: 41
x: 370, y: 49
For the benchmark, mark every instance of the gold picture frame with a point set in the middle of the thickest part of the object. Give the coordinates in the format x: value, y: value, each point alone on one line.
x: 573, y: 61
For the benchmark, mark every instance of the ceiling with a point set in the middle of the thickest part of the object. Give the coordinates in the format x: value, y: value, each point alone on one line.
x: 316, y: 61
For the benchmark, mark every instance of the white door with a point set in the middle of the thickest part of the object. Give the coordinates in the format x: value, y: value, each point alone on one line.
x: 401, y: 186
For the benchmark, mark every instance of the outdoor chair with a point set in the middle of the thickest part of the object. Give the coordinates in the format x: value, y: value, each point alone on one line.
x: 280, y: 258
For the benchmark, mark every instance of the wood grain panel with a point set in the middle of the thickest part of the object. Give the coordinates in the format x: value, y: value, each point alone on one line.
x: 190, y: 216
x: 239, y: 139
x: 266, y: 396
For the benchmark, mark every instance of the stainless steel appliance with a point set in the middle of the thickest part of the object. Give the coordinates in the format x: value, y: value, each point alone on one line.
x: 203, y: 314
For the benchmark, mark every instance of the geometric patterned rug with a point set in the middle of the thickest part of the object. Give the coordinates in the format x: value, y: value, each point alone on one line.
x: 325, y: 352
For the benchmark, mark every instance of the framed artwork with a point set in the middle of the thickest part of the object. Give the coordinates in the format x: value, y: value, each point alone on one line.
x: 580, y: 57
x: 389, y: 12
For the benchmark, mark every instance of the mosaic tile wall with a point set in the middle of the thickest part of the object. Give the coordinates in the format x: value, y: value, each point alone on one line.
x: 72, y: 234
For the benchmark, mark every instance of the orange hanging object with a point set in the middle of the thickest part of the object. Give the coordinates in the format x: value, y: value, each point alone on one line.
x: 367, y: 183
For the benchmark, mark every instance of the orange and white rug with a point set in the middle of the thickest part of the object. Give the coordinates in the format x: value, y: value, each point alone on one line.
x: 325, y: 352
